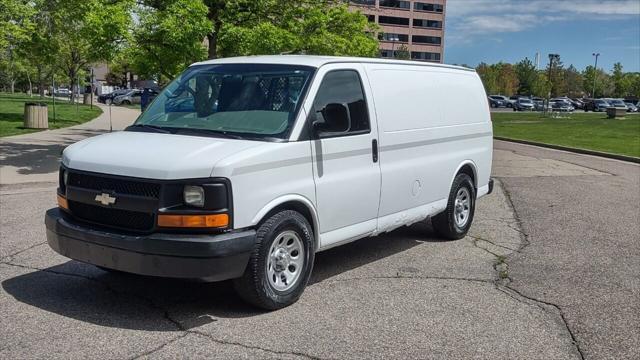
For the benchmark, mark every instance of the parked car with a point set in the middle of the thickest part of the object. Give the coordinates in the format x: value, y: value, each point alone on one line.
x: 598, y: 105
x: 128, y: 98
x: 507, y: 102
x: 523, y: 104
x: 577, y: 103
x: 62, y: 92
x: 245, y: 185
x: 538, y: 105
x: 561, y: 105
x: 631, y: 107
x: 617, y: 103
x: 108, y: 98
x: 497, y: 102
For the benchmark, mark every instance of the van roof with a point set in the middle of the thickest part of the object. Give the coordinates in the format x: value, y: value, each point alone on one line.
x: 318, y: 61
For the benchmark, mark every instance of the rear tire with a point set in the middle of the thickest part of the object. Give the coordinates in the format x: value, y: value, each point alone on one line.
x: 280, y: 264
x: 454, y: 222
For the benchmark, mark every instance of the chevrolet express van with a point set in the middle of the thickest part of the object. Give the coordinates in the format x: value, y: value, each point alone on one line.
x: 245, y: 168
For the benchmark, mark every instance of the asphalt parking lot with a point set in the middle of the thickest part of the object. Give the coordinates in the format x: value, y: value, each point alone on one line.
x: 550, y: 271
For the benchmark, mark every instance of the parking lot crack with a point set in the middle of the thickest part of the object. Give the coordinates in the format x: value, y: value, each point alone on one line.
x: 10, y: 257
x: 160, y: 347
x: 276, y: 352
x: 146, y: 301
x: 503, y: 280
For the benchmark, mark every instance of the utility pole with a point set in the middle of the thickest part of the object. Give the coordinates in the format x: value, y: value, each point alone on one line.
x: 595, y: 74
x: 53, y: 95
x: 393, y: 40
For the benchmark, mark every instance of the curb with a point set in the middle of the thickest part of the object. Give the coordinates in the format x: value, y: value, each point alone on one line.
x: 632, y: 159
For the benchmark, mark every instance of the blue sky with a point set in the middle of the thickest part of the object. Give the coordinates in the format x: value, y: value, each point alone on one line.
x: 510, y: 30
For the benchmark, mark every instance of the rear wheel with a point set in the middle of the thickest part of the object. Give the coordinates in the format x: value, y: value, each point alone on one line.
x: 281, y: 262
x: 455, y: 221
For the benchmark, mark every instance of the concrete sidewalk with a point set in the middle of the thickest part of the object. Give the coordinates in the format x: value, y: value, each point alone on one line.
x: 33, y: 158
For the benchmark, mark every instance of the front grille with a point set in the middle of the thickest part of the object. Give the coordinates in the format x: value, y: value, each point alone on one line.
x: 123, y: 219
x: 119, y: 186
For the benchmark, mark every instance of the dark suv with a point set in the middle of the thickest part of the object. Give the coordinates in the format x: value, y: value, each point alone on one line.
x: 596, y: 105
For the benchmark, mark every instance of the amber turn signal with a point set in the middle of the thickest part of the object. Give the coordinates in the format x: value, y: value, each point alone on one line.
x: 194, y: 221
x: 62, y: 202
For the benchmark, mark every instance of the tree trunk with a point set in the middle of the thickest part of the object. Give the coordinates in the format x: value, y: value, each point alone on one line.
x: 30, y: 87
x: 213, y: 45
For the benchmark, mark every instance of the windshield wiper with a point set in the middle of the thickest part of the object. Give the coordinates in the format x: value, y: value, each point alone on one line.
x: 150, y: 127
x: 220, y: 133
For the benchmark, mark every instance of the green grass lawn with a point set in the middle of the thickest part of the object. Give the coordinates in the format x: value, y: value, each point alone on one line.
x: 591, y: 131
x: 12, y: 113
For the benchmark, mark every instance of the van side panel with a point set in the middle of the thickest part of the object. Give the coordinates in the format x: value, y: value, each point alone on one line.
x: 431, y: 120
x: 264, y: 175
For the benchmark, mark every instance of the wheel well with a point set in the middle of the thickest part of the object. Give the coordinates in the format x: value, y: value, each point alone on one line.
x: 299, y: 207
x: 468, y: 169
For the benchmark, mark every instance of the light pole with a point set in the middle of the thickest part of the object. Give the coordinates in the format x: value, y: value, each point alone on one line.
x: 393, y: 39
x: 595, y: 74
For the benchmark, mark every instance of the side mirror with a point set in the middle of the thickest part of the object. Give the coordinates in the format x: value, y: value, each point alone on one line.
x: 336, y: 120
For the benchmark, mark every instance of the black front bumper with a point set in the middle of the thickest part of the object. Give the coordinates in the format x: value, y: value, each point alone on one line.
x: 194, y: 256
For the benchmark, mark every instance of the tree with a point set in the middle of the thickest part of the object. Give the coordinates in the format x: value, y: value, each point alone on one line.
x: 167, y: 38
x: 489, y: 77
x: 283, y: 26
x: 168, y: 35
x: 15, y: 25
x: 541, y: 85
x: 527, y: 75
x: 574, y: 82
x: 621, y: 83
x: 403, y: 53
x: 87, y: 31
x: 555, y: 76
x: 603, y: 85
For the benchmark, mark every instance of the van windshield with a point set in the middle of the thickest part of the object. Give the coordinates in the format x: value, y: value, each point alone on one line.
x: 249, y: 101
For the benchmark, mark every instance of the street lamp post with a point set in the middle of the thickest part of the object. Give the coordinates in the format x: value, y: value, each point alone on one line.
x: 595, y: 74
x: 393, y: 40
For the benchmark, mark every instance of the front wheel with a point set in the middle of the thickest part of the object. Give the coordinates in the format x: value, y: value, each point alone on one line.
x: 454, y: 222
x: 280, y: 264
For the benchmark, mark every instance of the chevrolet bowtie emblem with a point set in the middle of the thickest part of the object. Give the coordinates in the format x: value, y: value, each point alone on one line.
x: 105, y: 199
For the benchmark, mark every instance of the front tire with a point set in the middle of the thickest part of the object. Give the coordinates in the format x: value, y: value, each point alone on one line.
x: 455, y: 221
x: 281, y: 262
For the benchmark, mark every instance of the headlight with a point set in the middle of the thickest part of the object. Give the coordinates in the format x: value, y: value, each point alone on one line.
x: 194, y: 195
x: 65, y: 177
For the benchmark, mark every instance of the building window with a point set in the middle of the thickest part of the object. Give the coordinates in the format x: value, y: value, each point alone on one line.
x: 428, y: 7
x: 392, y: 20
x: 371, y: 18
x: 431, y: 40
x: 363, y: 2
x: 393, y: 37
x: 427, y: 23
x: 425, y: 56
x: 395, y: 4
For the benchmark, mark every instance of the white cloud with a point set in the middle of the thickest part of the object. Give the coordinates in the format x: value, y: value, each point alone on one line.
x: 467, y: 18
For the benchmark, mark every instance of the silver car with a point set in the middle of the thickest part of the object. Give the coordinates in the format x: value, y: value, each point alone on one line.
x: 128, y: 98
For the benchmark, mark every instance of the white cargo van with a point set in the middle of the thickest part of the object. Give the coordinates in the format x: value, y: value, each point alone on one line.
x: 245, y: 168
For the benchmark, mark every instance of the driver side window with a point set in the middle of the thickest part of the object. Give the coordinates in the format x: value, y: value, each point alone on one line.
x: 340, y: 106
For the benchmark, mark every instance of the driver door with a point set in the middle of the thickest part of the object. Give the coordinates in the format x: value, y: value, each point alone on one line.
x: 344, y: 148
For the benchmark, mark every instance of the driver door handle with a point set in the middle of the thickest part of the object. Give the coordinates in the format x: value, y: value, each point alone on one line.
x: 374, y: 150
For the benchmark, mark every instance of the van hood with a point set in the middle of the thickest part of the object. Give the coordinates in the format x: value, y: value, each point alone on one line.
x: 152, y: 155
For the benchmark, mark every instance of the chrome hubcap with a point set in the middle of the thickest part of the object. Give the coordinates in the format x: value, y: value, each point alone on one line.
x: 286, y: 261
x: 462, y: 207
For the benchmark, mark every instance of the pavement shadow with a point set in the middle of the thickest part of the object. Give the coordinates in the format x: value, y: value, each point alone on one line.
x: 86, y: 293
x: 39, y: 158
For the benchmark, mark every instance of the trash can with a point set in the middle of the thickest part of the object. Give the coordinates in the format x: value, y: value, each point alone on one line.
x: 87, y: 98
x: 616, y: 112
x: 36, y: 116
